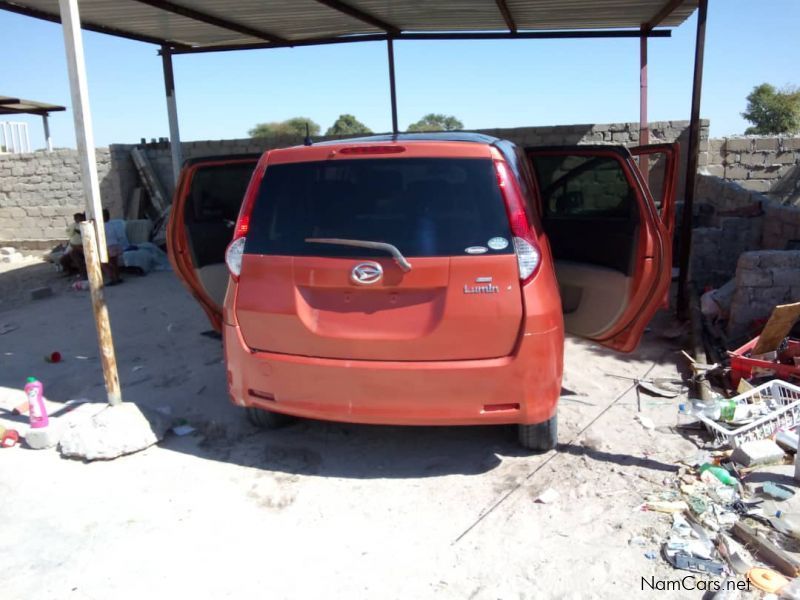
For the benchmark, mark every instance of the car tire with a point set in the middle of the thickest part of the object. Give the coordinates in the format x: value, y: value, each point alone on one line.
x: 266, y: 419
x: 539, y: 437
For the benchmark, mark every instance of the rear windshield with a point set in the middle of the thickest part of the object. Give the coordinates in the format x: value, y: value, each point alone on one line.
x: 424, y: 206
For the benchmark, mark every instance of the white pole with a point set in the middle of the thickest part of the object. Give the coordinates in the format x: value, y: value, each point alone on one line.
x: 27, y: 137
x: 48, y: 140
x: 79, y: 93
x: 17, y: 138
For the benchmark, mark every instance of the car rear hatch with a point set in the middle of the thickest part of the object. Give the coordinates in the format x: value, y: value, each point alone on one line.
x: 308, y: 286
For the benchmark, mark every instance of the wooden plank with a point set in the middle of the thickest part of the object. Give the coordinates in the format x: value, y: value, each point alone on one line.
x: 780, y: 323
x: 766, y: 550
x: 108, y: 357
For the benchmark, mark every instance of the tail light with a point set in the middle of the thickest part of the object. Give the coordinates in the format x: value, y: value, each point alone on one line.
x: 235, y: 250
x: 373, y: 149
x: 529, y: 257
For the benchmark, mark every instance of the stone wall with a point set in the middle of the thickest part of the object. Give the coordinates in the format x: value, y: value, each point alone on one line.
x: 39, y: 192
x: 763, y: 164
x: 763, y: 280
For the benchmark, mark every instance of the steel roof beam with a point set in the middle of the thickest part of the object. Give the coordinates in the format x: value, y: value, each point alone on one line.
x: 670, y: 7
x: 196, y: 15
x: 361, y: 16
x: 507, y: 16
x: 380, y: 37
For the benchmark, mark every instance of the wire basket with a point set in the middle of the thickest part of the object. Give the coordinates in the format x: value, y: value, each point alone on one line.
x: 784, y: 398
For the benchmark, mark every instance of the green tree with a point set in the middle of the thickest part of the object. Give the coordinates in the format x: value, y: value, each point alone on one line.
x: 296, y: 126
x: 436, y: 122
x: 773, y: 111
x: 347, y: 125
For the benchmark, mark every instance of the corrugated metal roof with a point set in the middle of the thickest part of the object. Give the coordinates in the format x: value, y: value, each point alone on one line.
x: 16, y: 106
x: 203, y: 24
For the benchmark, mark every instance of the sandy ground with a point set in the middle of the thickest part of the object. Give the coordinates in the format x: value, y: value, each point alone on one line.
x: 320, y: 509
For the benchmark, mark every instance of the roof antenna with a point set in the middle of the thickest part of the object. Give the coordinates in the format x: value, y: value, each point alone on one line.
x: 308, y: 141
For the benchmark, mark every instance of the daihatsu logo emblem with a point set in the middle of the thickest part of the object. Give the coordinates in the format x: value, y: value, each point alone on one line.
x: 366, y: 273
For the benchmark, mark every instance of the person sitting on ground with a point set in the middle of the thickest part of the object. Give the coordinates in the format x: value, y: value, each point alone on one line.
x: 72, y: 261
x: 116, y: 242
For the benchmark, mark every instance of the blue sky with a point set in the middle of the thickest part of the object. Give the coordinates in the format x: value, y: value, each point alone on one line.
x: 485, y: 84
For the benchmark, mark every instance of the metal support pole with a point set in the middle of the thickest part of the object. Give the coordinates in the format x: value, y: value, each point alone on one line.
x: 392, y: 86
x: 172, y: 114
x: 644, y: 124
x: 108, y: 357
x: 79, y: 93
x: 692, y: 160
x: 47, y: 139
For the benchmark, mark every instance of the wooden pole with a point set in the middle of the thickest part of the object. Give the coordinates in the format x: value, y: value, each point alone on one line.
x: 79, y: 93
x: 172, y: 115
x: 107, y: 356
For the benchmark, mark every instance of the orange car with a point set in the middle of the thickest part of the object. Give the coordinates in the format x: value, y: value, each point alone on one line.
x: 420, y: 279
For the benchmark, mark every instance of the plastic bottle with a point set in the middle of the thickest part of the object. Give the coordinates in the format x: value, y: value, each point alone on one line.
x: 712, y: 409
x: 785, y: 522
x: 720, y: 473
x: 37, y: 411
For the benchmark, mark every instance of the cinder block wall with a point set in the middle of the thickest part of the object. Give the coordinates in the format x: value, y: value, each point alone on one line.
x: 39, y: 192
x: 763, y: 280
x: 770, y: 165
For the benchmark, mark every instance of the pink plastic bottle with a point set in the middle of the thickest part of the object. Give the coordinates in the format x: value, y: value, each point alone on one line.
x: 37, y: 411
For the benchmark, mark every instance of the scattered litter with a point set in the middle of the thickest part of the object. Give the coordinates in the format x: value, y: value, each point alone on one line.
x: 637, y: 540
x: 666, y: 506
x: 182, y: 430
x: 687, y: 562
x: 646, y: 422
x: 766, y: 579
x: 80, y: 357
x: 650, y: 555
x: 547, y: 497
x: 776, y: 491
x: 80, y: 286
x: 53, y: 357
x: 137, y: 368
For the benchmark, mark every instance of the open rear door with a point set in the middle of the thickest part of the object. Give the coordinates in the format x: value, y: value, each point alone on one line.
x: 204, y: 210
x: 658, y: 166
x: 612, y: 249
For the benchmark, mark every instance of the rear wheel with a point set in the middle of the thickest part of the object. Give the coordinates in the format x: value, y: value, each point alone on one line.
x: 539, y: 436
x: 266, y: 419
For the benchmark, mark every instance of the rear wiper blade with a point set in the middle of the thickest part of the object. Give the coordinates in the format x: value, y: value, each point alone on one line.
x: 390, y: 248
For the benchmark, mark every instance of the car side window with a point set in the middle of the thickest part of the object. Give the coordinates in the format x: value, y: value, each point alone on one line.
x: 574, y: 186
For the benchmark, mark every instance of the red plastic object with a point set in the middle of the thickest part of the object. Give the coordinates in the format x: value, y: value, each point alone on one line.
x: 10, y: 438
x: 54, y: 357
x: 742, y: 366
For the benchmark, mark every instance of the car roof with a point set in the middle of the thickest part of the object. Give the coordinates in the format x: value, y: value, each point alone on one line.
x: 432, y: 136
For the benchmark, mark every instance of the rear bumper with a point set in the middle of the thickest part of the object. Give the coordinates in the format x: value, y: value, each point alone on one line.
x: 522, y: 388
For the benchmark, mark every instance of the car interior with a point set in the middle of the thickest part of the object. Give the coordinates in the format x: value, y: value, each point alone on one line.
x: 209, y: 216
x: 591, y: 217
